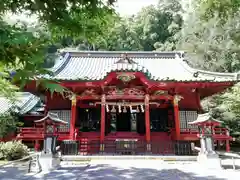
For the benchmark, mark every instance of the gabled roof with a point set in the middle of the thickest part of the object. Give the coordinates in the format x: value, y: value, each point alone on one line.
x: 53, y: 117
x: 25, y: 102
x: 205, y: 119
x: 158, y: 66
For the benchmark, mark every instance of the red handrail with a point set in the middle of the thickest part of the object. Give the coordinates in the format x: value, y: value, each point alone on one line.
x: 35, y: 130
x: 217, y: 131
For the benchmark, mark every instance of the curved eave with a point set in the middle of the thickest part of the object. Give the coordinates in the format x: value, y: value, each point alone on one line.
x: 202, y: 76
x: 234, y: 77
x: 29, y: 105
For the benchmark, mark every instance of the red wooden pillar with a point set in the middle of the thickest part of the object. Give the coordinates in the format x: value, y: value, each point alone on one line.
x: 147, y: 122
x: 176, y: 116
x: 73, y: 118
x: 102, y: 135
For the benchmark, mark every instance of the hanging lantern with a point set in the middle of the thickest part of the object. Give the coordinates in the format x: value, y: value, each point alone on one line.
x: 138, y: 110
x: 113, y: 109
x: 119, y: 109
x: 107, y: 108
x: 124, y: 109
x: 142, y: 109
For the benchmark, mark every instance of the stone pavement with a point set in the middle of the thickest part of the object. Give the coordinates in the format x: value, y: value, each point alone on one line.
x: 127, y: 169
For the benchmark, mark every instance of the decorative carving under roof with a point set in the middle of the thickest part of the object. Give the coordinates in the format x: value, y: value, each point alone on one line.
x: 88, y: 92
x: 160, y: 92
x: 51, y: 118
x: 126, y: 91
x: 205, y: 119
x: 126, y: 77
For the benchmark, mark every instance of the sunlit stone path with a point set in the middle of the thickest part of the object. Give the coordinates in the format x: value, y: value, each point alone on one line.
x: 126, y: 169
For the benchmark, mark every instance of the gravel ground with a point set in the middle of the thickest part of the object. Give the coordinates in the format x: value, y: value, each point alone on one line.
x: 124, y: 170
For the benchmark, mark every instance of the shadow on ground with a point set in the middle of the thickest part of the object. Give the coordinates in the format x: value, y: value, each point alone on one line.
x: 11, y: 173
x: 105, y: 172
x: 108, y: 172
x: 237, y: 167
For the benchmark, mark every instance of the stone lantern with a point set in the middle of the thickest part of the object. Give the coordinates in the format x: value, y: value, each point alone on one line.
x: 48, y: 159
x: 50, y: 123
x: 206, y: 125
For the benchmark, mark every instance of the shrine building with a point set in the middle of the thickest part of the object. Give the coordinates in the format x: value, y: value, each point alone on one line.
x: 137, y: 101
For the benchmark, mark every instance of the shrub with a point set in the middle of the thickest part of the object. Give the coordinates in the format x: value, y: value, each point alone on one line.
x: 1, y: 151
x: 13, y: 150
x: 8, y: 124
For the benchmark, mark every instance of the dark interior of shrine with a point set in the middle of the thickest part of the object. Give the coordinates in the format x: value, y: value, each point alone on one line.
x: 125, y: 120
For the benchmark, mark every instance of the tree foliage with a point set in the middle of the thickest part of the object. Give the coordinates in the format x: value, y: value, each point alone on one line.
x: 8, y: 124
x: 23, y: 50
x: 213, y: 43
x: 225, y: 107
x: 151, y: 29
x: 210, y: 34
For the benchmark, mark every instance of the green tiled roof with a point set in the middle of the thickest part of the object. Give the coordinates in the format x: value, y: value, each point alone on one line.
x: 158, y: 66
x: 25, y: 102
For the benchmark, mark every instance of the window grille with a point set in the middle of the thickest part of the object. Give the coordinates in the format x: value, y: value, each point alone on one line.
x: 186, y: 117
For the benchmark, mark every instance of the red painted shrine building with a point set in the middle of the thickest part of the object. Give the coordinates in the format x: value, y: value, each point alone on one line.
x: 136, y: 96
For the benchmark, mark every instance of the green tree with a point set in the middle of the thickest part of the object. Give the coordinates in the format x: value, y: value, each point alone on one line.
x: 212, y: 43
x: 156, y: 26
x: 8, y: 124
x: 225, y: 107
x: 211, y: 37
x: 153, y: 28
x: 122, y: 37
x: 23, y: 50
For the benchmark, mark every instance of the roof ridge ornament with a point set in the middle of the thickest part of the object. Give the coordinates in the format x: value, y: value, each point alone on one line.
x: 125, y: 59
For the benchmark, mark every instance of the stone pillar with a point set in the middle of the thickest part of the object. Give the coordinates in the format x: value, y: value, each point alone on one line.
x: 207, y: 156
x: 103, y: 114
x: 147, y: 123
x: 49, y: 159
x: 202, y: 144
x: 73, y: 117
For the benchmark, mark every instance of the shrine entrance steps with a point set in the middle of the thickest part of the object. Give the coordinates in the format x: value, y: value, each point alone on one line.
x: 83, y: 159
x: 131, y: 147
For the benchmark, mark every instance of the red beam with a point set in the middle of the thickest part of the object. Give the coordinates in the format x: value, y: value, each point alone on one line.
x: 149, y: 84
x: 129, y: 97
x: 152, y: 84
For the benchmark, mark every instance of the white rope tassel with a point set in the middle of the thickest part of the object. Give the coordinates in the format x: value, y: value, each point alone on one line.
x: 130, y: 107
x: 124, y: 109
x: 107, y: 108
x: 119, y: 109
x: 113, y: 109
x: 142, y: 109
x: 138, y: 110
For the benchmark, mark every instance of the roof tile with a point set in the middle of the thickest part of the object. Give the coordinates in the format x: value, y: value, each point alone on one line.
x: 160, y: 66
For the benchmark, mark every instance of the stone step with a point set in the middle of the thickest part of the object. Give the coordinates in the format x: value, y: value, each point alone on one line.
x: 125, y: 157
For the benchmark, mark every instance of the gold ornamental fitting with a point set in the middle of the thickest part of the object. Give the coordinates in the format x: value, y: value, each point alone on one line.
x: 176, y: 99
x: 74, y: 100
